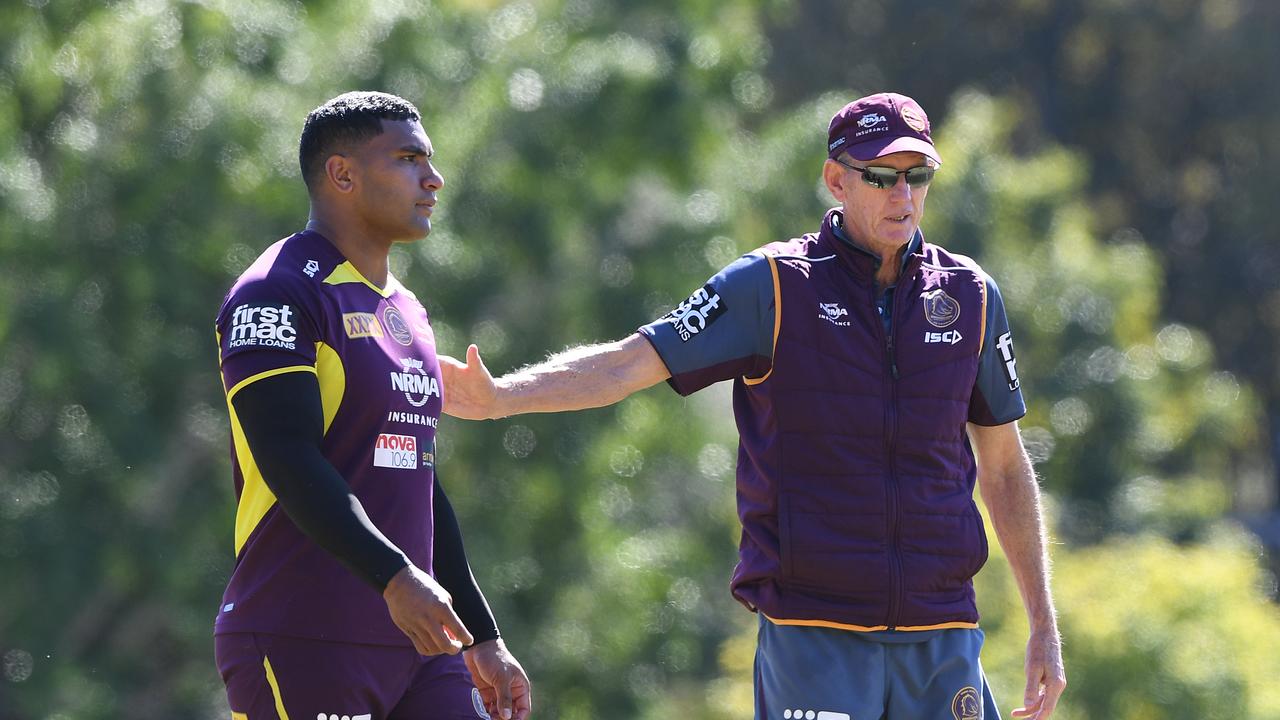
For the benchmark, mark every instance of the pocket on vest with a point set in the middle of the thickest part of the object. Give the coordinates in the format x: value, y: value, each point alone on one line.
x: 840, y: 554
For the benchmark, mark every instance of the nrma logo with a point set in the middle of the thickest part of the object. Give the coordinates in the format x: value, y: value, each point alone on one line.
x: 867, y: 121
x: 418, y: 387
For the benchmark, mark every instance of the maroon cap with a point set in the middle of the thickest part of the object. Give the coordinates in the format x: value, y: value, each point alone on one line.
x: 877, y: 125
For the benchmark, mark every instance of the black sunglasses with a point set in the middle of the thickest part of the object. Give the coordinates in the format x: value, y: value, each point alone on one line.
x: 881, y: 177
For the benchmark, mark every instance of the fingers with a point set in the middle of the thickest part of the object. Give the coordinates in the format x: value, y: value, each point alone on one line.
x: 428, y: 619
x: 1033, y: 695
x: 1040, y: 699
x: 446, y: 633
x: 523, y: 697
x: 1028, y: 709
x: 473, y: 358
x: 1045, y: 684
x: 1053, y: 689
x: 457, y: 632
x: 422, y: 642
x: 504, y: 693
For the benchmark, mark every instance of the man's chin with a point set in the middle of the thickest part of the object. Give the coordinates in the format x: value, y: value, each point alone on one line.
x: 415, y: 233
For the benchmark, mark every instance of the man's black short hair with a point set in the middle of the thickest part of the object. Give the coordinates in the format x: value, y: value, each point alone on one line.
x: 344, y: 122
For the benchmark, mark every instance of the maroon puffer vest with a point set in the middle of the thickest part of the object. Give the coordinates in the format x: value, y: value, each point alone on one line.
x: 855, y: 476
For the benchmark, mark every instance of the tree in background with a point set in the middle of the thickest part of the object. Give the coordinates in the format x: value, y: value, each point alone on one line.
x: 601, y: 160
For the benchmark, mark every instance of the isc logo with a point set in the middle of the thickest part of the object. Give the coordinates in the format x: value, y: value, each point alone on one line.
x: 399, y: 452
x: 326, y: 716
x: 950, y: 337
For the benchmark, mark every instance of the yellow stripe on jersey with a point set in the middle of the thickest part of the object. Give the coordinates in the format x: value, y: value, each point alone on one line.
x: 255, y: 497
x: 275, y: 689
x: 777, y: 320
x: 347, y: 273
x: 238, y: 716
x: 266, y: 374
x: 333, y: 381
x: 871, y: 628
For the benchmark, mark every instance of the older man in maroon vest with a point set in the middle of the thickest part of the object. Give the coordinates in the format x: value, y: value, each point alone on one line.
x: 874, y: 383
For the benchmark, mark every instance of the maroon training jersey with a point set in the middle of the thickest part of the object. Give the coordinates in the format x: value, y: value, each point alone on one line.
x: 301, y: 307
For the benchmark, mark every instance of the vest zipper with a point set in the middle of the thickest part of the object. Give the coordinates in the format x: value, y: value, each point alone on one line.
x: 897, y: 581
x: 893, y: 500
x: 893, y: 360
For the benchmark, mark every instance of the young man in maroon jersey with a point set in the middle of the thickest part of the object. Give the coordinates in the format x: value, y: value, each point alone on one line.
x: 351, y: 594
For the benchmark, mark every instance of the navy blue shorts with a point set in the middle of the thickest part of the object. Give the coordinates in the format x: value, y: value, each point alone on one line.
x: 272, y: 677
x: 822, y: 673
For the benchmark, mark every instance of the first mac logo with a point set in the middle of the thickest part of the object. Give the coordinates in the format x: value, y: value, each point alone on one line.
x: 263, y: 326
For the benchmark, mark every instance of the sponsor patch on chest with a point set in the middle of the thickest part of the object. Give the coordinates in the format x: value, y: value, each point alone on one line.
x: 399, y: 452
x: 833, y: 312
x: 949, y: 337
x: 361, y: 325
x: 418, y: 386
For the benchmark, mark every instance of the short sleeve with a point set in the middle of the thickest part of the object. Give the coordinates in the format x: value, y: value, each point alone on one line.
x: 997, y: 394
x: 266, y: 326
x: 722, y: 331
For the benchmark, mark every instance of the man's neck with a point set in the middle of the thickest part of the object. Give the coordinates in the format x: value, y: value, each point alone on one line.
x: 368, y: 256
x: 890, y: 265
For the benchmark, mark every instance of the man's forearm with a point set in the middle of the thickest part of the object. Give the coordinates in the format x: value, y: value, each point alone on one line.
x: 583, y: 377
x: 1012, y: 497
x: 454, y: 572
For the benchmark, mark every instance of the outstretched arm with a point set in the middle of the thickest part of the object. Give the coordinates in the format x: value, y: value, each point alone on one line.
x: 582, y: 377
x: 1012, y: 496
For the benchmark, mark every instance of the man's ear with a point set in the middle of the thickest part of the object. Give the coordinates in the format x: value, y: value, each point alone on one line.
x: 833, y: 174
x: 338, y: 173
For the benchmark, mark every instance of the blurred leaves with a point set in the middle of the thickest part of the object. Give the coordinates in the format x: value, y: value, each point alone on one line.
x: 600, y: 161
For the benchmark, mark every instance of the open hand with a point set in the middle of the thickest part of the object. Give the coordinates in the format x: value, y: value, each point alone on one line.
x: 469, y: 390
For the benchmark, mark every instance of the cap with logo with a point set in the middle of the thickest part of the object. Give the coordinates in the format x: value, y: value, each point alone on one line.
x: 880, y: 124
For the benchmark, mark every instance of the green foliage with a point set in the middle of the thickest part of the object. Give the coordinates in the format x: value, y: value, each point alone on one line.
x: 601, y: 160
x: 1152, y: 629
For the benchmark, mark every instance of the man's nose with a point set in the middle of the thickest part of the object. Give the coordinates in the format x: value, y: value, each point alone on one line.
x: 433, y: 180
x: 900, y: 186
